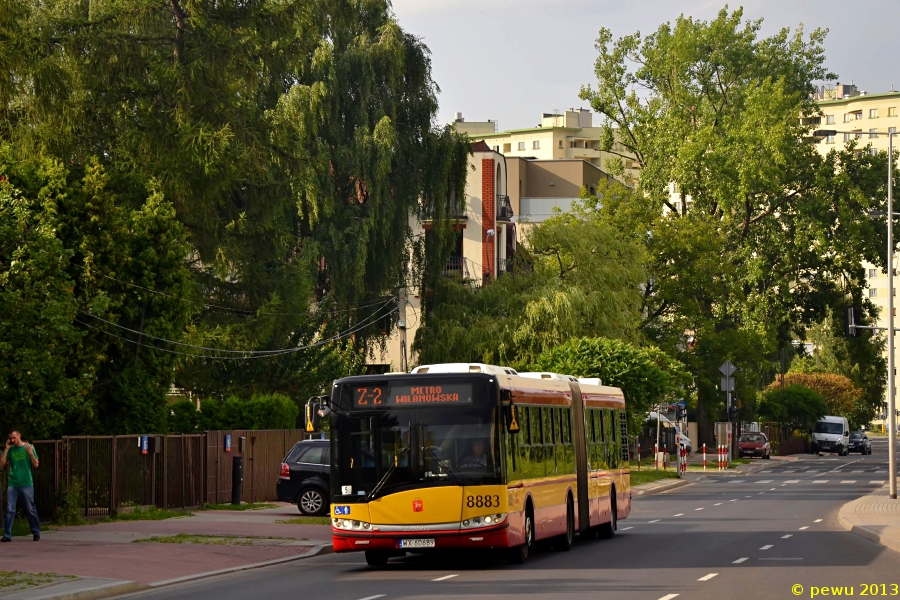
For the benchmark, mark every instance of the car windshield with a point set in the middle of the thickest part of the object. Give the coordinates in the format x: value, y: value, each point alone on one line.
x: 829, y: 427
x: 753, y: 438
x: 856, y: 435
x: 389, y: 448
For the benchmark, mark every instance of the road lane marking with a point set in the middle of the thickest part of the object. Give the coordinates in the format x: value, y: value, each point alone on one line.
x: 804, y: 527
x: 784, y: 537
x: 733, y: 500
x: 669, y: 597
x: 857, y: 471
x: 626, y: 528
x: 445, y: 577
x: 765, y: 481
x: 717, y: 504
x: 654, y: 521
x: 817, y: 521
x: 701, y: 508
x: 877, y: 481
x: 771, y: 489
x: 748, y: 496
x: 879, y: 472
x: 373, y: 597
x: 849, y: 481
x: 679, y: 515
x: 792, y: 481
x: 739, y: 561
x: 766, y: 547
x: 820, y: 481
x: 707, y: 577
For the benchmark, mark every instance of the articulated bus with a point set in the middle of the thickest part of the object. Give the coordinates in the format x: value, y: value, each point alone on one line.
x: 465, y: 456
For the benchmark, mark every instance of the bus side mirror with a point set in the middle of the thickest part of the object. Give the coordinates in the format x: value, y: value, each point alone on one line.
x: 313, y: 418
x: 511, y: 412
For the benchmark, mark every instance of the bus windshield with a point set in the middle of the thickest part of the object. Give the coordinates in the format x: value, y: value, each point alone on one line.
x: 449, y: 438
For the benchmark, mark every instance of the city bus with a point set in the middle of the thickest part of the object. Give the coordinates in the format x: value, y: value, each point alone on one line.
x: 466, y: 456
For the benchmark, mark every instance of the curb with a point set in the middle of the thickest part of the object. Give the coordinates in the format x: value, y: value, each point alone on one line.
x: 659, y: 489
x: 867, y: 532
x: 132, y: 587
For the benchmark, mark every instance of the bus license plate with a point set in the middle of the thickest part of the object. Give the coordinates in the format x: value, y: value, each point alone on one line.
x: 426, y: 543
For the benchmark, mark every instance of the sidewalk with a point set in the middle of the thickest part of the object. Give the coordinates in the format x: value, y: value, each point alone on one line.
x: 110, y: 559
x: 875, y: 517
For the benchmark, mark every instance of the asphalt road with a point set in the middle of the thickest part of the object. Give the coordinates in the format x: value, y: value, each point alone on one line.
x: 735, y: 537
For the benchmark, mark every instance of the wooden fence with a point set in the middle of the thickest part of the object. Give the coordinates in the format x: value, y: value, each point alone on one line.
x: 110, y: 473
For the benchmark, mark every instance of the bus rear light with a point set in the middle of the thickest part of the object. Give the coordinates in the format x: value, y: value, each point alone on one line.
x: 285, y: 471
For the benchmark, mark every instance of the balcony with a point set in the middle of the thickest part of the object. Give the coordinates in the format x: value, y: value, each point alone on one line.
x: 456, y: 211
x: 504, y: 208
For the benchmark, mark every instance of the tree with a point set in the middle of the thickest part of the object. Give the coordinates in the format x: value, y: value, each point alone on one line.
x: 582, y: 279
x: 647, y: 376
x: 794, y: 407
x: 265, y: 411
x: 753, y: 235
x: 274, y: 150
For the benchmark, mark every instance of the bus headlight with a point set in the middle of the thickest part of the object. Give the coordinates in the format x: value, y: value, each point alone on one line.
x: 483, y: 521
x: 347, y: 524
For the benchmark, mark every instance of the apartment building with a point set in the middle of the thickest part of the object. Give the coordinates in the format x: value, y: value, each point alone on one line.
x: 569, y: 135
x: 856, y: 115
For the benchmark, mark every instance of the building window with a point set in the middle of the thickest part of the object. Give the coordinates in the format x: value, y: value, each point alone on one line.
x: 829, y: 139
x: 507, y: 148
x: 892, y: 130
x: 873, y: 292
x: 560, y: 144
x: 521, y: 145
x: 873, y: 133
x: 829, y: 119
x: 892, y: 111
x: 873, y: 113
x: 496, y: 148
x: 536, y: 145
x: 847, y: 137
x: 873, y: 151
x: 873, y: 273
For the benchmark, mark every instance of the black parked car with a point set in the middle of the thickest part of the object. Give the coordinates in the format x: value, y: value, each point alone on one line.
x: 305, y: 477
x: 859, y: 442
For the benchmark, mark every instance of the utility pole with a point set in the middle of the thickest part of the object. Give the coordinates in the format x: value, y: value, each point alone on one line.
x: 401, y: 324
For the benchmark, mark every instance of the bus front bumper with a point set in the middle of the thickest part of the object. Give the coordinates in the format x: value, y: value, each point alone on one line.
x: 495, y: 537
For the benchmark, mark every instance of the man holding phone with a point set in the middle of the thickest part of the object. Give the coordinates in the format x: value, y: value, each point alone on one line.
x: 21, y: 457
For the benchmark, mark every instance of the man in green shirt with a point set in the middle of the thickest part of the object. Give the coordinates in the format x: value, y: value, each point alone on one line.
x: 21, y: 457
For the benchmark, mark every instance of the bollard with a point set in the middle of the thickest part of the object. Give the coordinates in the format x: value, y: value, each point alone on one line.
x: 665, y: 457
x: 237, y: 478
x: 704, y: 456
x: 656, y: 456
x: 639, y: 455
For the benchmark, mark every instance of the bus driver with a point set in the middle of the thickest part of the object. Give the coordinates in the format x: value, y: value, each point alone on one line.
x: 476, y: 458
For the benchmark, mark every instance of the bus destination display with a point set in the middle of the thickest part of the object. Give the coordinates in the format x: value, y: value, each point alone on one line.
x: 411, y: 395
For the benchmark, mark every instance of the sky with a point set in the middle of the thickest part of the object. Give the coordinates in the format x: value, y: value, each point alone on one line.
x: 511, y: 60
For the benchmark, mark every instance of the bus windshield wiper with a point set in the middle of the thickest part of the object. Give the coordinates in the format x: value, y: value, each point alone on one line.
x: 387, y: 475
x: 441, y: 462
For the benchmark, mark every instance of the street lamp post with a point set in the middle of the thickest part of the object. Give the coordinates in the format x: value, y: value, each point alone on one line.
x: 892, y: 418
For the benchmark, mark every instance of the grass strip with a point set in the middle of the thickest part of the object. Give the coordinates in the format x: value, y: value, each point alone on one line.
x: 11, y: 581
x: 242, y: 506
x: 150, y: 514
x: 306, y: 521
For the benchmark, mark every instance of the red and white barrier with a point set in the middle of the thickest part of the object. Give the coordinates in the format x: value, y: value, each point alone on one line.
x: 656, y: 456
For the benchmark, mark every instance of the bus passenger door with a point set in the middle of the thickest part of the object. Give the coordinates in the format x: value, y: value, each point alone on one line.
x: 581, y: 459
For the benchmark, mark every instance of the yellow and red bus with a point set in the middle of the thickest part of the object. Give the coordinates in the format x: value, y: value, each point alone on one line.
x: 462, y: 456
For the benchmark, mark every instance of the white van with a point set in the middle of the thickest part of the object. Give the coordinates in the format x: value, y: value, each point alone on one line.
x: 831, y: 434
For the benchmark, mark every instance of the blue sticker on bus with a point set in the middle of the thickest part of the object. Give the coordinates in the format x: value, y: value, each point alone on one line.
x: 342, y: 510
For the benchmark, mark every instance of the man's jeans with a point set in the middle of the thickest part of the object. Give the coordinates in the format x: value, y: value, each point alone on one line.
x: 26, y: 495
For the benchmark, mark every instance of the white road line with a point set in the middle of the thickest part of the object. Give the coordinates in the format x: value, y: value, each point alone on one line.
x: 820, y: 481
x: 817, y: 521
x: 445, y: 577
x: 804, y: 527
x: 857, y: 471
x: 707, y: 577
x: 877, y: 481
x: 701, y: 508
x: 669, y: 597
x: 679, y: 515
x: 748, y: 496
x: 765, y: 481
x: 733, y: 500
x: 849, y: 481
x: 880, y: 472
x: 373, y: 597
x: 771, y: 489
x: 792, y: 481
x: 784, y: 537
x: 766, y: 547
x: 626, y: 528
x: 654, y: 521
x: 717, y: 504
x: 739, y: 561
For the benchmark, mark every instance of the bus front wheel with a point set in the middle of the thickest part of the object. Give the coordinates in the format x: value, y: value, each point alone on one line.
x: 519, y: 554
x: 375, y: 558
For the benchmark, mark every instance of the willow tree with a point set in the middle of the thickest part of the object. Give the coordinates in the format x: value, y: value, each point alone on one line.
x: 294, y: 139
x: 752, y: 235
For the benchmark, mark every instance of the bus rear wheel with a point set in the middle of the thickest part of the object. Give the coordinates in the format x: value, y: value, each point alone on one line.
x: 566, y: 540
x: 519, y: 554
x: 608, y: 530
x: 376, y: 558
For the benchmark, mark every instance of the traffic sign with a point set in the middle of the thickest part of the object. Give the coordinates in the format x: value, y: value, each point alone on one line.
x: 727, y: 368
x: 726, y: 384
